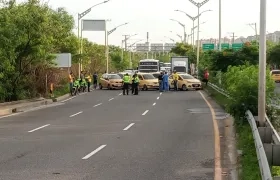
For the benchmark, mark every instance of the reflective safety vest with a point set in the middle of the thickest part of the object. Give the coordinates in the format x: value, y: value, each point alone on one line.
x: 136, y: 79
x: 88, y: 78
x: 126, y: 79
x: 175, y: 76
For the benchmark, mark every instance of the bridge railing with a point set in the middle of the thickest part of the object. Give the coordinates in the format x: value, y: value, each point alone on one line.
x: 266, y: 139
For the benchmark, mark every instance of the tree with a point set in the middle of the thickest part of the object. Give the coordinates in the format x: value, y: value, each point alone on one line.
x: 182, y: 49
x: 274, y: 55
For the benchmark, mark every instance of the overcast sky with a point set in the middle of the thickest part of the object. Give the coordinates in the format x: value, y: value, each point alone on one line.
x: 153, y: 16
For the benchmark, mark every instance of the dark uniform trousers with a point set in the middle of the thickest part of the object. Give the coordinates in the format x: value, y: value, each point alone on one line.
x: 125, y: 88
x: 134, y: 89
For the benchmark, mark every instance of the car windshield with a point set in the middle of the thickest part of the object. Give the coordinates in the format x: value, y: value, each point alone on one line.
x: 275, y: 72
x: 114, y: 76
x: 156, y: 75
x: 121, y: 75
x: 148, y: 76
x: 185, y: 76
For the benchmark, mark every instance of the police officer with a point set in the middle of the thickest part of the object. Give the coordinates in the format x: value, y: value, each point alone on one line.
x: 126, y: 80
x: 135, y: 82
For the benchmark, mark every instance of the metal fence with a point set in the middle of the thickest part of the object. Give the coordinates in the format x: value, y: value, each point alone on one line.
x: 266, y: 139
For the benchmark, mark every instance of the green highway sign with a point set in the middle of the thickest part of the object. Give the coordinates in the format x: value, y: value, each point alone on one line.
x: 225, y: 45
x: 208, y: 46
x: 237, y: 46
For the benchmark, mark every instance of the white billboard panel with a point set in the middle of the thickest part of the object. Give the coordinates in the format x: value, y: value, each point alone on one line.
x: 63, y: 60
x: 93, y: 25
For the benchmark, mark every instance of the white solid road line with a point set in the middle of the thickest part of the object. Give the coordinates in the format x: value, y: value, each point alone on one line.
x: 97, y: 105
x: 144, y: 113
x: 38, y: 128
x: 76, y: 114
x: 94, y: 152
x: 129, y: 126
x: 111, y: 99
x: 68, y: 99
x: 157, y: 97
x: 154, y: 104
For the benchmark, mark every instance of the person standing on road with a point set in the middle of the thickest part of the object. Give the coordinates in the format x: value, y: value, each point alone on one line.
x: 165, y: 81
x: 160, y: 82
x: 126, y: 81
x: 94, y: 78
x: 70, y: 77
x: 206, y: 76
x: 175, y: 80
x: 88, y: 79
x: 135, y: 82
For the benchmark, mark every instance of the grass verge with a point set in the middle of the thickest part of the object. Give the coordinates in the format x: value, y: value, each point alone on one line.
x: 61, y: 90
x: 245, y: 142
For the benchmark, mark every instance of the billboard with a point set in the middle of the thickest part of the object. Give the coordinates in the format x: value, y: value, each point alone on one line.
x: 168, y: 46
x: 63, y: 60
x: 93, y: 25
x: 157, y: 47
x: 142, y: 47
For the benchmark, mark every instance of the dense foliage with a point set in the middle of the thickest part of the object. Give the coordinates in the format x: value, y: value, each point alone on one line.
x: 30, y: 33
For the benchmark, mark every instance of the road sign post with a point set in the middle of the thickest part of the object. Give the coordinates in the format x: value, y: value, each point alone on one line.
x: 237, y: 46
x: 225, y: 45
x: 208, y: 47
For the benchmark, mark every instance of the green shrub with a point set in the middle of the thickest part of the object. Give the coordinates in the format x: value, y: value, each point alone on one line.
x: 241, y: 82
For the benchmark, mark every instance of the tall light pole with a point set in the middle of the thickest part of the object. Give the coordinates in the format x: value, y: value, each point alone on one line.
x: 80, y: 16
x: 193, y: 18
x: 181, y: 37
x: 254, y: 26
x: 262, y: 64
x: 184, y: 27
x: 107, y: 44
x: 130, y: 53
x: 198, y: 5
x: 220, y: 25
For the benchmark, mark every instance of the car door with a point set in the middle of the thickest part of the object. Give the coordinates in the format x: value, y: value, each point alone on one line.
x: 180, y: 82
x: 170, y: 81
x: 140, y: 80
x: 104, y: 81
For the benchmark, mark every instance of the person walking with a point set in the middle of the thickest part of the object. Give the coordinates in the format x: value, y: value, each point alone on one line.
x: 71, y: 78
x: 175, y: 80
x: 165, y: 82
x: 160, y: 82
x: 94, y: 78
x: 126, y: 80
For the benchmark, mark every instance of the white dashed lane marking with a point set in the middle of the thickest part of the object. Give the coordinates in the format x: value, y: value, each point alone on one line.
x: 97, y: 105
x: 111, y: 99
x: 94, y: 152
x: 144, y: 113
x: 154, y: 104
x: 41, y: 127
x: 129, y: 126
x: 157, y: 97
x: 76, y: 114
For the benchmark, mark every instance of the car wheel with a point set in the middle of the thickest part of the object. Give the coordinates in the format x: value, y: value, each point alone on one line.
x: 184, y: 87
x: 100, y: 86
x: 145, y: 88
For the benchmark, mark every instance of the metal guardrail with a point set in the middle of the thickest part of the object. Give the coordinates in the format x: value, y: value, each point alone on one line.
x: 260, y: 148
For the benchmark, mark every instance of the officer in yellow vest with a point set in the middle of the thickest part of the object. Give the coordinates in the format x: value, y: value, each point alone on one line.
x: 135, y: 83
x: 88, y: 79
x: 126, y: 81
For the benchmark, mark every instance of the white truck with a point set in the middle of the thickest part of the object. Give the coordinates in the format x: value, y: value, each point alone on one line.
x: 179, y: 64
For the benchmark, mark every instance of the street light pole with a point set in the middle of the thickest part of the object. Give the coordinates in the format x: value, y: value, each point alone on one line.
x: 262, y: 64
x: 220, y: 25
x: 107, y: 44
x: 80, y: 16
x: 170, y: 38
x: 198, y: 5
x: 184, y: 27
x: 181, y: 37
x: 130, y: 53
x: 193, y: 18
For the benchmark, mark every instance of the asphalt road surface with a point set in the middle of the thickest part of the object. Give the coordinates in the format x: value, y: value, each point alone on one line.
x: 103, y: 135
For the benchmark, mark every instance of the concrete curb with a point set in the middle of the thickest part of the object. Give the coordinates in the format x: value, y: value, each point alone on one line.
x: 27, y: 105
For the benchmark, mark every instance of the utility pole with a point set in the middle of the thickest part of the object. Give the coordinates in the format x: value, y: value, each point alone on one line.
x: 125, y: 42
x: 233, y: 36
x: 148, y: 45
x: 254, y: 27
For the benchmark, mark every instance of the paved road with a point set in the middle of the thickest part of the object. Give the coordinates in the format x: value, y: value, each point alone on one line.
x: 106, y: 136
